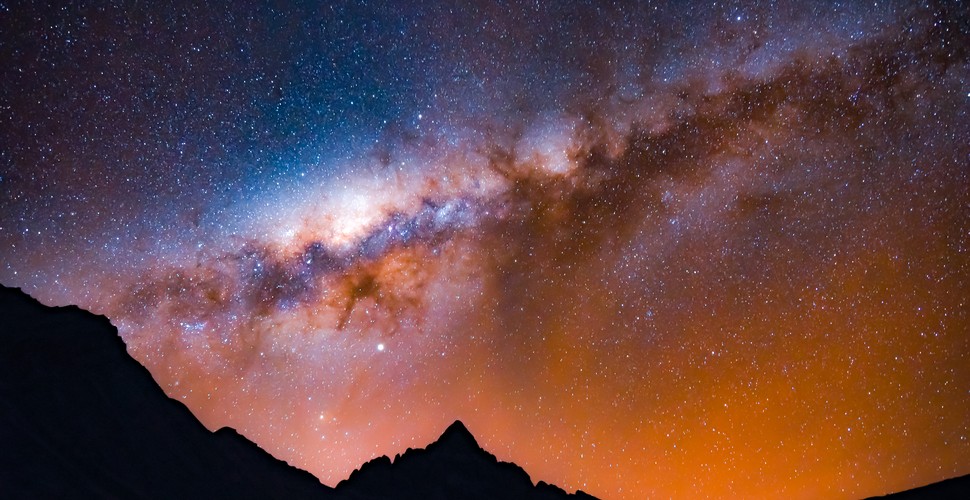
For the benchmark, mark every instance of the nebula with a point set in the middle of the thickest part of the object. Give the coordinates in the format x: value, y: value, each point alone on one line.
x: 642, y: 251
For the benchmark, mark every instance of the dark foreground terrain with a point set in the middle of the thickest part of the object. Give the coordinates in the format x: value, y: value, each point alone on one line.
x: 80, y: 418
x: 957, y: 488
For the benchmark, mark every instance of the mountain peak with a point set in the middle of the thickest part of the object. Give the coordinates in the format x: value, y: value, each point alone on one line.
x: 457, y: 436
x: 144, y: 444
x: 454, y: 466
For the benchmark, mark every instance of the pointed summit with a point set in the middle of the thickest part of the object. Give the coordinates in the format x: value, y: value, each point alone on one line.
x: 454, y: 466
x: 456, y: 437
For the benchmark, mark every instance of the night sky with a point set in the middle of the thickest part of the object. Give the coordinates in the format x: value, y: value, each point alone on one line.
x: 639, y: 249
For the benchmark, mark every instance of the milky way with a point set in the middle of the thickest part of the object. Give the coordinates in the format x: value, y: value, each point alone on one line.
x: 638, y: 249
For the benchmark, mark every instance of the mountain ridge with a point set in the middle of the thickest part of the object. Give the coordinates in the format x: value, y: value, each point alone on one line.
x: 456, y: 451
x: 954, y: 488
x: 80, y: 417
x: 77, y: 414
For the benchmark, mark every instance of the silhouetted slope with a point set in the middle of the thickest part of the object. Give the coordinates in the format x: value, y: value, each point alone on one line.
x: 957, y: 488
x: 80, y: 418
x: 454, y: 466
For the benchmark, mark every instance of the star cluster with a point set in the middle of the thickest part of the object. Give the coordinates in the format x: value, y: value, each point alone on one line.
x: 640, y: 249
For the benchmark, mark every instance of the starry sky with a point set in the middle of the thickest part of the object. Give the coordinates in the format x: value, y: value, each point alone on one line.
x: 640, y: 249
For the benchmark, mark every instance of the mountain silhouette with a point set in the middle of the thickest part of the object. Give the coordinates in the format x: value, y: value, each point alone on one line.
x: 957, y: 488
x: 80, y: 418
x: 453, y: 463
